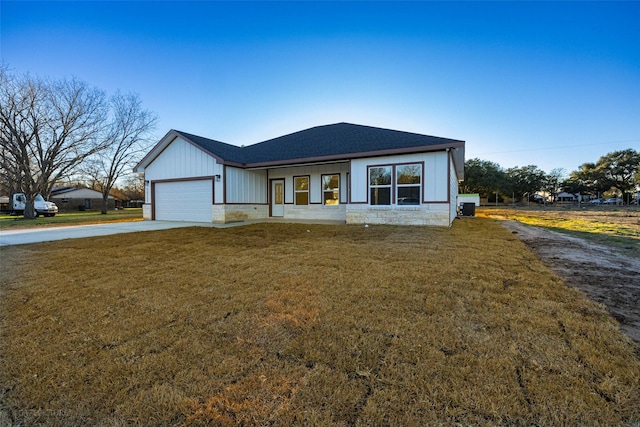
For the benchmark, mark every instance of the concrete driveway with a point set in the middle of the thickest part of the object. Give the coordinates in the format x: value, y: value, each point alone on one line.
x: 48, y: 234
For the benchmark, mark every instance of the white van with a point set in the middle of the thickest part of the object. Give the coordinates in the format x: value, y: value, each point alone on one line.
x: 41, y: 206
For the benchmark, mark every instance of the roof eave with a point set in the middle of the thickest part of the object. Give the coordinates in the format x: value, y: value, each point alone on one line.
x: 171, y: 136
x: 357, y: 155
x: 156, y: 151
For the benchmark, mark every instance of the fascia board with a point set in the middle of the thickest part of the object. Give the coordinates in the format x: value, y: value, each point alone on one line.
x: 357, y: 155
x: 167, y: 140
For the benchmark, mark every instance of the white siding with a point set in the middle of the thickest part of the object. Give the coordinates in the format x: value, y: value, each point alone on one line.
x: 436, y: 176
x: 182, y: 160
x: 453, y: 191
x: 315, y: 173
x: 246, y: 186
x: 435, y: 173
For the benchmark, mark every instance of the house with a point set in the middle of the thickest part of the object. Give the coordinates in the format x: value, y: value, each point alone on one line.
x: 565, y: 197
x: 345, y: 172
x: 70, y: 199
x: 4, y: 204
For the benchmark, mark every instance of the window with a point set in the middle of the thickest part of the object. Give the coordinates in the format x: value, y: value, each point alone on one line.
x: 301, y: 190
x: 408, y: 180
x: 380, y: 185
x: 331, y: 189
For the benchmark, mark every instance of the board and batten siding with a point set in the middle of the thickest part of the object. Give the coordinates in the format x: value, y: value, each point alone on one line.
x: 453, y: 191
x: 182, y: 160
x: 246, y: 186
x: 314, y: 172
x: 435, y: 175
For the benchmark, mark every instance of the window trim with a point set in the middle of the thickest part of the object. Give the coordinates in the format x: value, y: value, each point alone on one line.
x: 390, y: 186
x: 308, y: 190
x: 419, y: 185
x: 322, y: 190
x: 394, y: 185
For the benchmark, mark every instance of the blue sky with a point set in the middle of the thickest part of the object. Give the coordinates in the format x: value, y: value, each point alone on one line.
x: 544, y: 83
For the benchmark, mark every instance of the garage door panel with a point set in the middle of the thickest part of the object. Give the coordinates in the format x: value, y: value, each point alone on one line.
x: 184, y: 201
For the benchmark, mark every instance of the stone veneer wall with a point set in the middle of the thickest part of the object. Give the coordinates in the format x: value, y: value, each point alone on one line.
x: 236, y: 213
x: 316, y: 211
x: 146, y: 211
x: 426, y: 214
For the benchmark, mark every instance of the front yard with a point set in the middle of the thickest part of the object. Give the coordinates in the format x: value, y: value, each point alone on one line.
x: 70, y: 218
x: 285, y: 324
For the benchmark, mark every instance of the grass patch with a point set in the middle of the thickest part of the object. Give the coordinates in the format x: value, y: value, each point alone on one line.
x: 615, y: 226
x: 289, y: 324
x: 71, y: 218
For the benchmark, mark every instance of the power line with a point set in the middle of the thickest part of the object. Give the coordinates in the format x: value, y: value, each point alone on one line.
x: 559, y: 147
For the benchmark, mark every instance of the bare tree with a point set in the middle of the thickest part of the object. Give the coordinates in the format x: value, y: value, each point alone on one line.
x: 126, y: 138
x: 47, y: 128
x: 553, y: 182
x: 134, y: 187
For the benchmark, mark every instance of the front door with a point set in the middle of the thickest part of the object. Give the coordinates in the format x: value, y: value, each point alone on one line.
x: 277, y: 197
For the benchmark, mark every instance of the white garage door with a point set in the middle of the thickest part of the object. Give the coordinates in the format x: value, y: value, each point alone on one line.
x: 184, y: 201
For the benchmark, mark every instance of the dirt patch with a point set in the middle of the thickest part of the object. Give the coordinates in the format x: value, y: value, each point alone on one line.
x: 605, y: 274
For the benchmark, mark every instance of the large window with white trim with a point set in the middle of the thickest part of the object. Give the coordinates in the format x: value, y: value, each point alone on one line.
x: 408, y: 184
x: 301, y: 190
x: 331, y: 189
x: 380, y: 185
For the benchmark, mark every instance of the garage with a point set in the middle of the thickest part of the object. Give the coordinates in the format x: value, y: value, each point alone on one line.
x: 184, y: 201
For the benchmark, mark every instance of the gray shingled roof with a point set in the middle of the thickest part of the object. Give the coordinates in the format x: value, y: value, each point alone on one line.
x: 219, y: 149
x: 341, y: 139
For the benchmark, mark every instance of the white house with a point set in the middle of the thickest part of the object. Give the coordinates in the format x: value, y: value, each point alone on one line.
x: 566, y: 197
x: 346, y: 172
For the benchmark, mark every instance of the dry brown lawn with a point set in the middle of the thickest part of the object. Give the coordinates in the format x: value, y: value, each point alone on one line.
x: 282, y: 324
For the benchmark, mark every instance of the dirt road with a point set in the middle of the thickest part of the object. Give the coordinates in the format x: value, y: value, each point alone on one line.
x: 605, y: 275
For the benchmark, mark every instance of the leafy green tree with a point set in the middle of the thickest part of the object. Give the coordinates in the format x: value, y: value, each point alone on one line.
x: 526, y: 179
x: 586, y: 180
x: 620, y: 169
x: 483, y: 177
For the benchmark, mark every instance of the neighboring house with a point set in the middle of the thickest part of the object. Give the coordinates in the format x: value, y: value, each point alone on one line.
x: 4, y: 204
x: 70, y: 199
x: 566, y: 197
x: 346, y: 172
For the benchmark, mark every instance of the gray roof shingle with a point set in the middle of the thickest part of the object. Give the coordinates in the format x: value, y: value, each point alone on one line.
x: 328, y: 141
x: 219, y: 149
